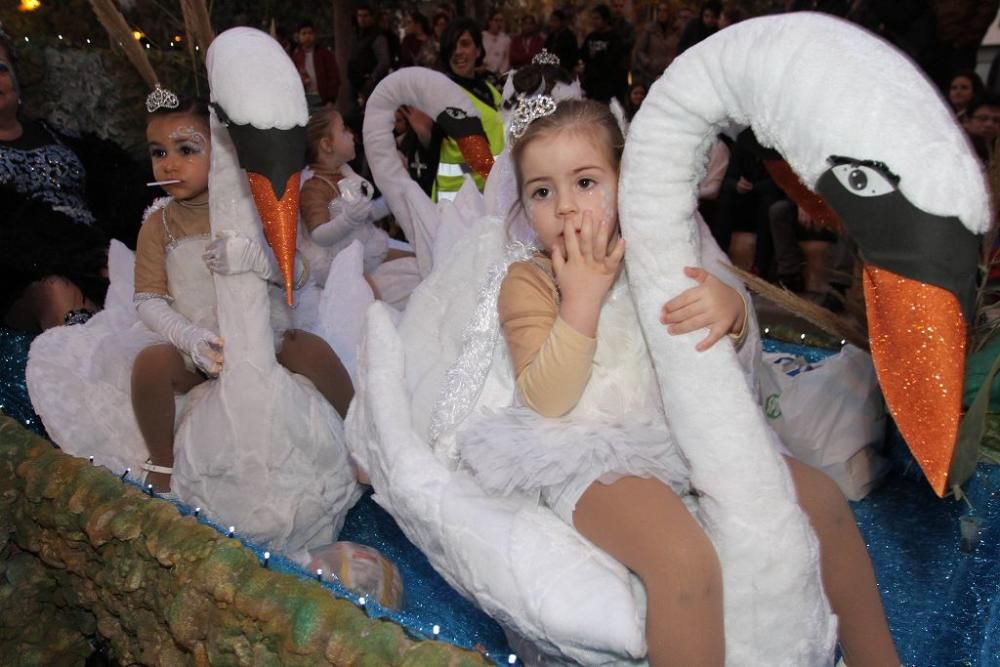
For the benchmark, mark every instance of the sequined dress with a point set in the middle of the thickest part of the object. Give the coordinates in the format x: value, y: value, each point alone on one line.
x: 41, y: 166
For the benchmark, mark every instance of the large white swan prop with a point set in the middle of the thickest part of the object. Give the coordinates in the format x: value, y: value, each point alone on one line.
x: 443, y: 100
x: 259, y: 448
x: 269, y: 425
x: 811, y: 87
x: 417, y: 382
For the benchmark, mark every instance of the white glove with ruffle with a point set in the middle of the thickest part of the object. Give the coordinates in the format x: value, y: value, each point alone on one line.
x: 233, y: 253
x: 353, y: 208
x: 203, y: 346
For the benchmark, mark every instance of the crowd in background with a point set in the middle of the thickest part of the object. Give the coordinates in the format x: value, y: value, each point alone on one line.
x: 617, y: 53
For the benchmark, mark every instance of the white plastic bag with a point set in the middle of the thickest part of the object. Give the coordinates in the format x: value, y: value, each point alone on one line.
x: 830, y: 414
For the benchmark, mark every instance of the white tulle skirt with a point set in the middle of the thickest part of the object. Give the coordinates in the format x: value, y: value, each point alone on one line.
x: 519, y: 451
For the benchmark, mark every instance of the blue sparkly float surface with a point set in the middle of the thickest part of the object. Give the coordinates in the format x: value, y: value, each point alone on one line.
x: 943, y: 603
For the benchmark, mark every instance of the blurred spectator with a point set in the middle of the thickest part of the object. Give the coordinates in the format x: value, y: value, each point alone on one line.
x: 448, y: 9
x: 496, y: 43
x: 983, y: 118
x: 414, y: 48
x: 745, y: 200
x: 317, y: 66
x: 601, y: 53
x: 370, y: 56
x: 413, y: 130
x: 438, y: 24
x: 711, y: 184
x: 461, y: 55
x: 636, y: 94
x: 731, y: 16
x: 431, y: 55
x: 61, y: 198
x: 684, y: 16
x: 705, y: 25
x: 389, y: 25
x: 561, y: 40
x: 526, y: 44
x: 623, y: 27
x: 961, y: 25
x: 656, y: 47
x: 964, y: 86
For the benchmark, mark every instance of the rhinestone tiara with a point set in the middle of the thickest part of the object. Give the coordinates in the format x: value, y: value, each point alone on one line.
x: 161, y: 98
x: 529, y: 109
x: 545, y: 57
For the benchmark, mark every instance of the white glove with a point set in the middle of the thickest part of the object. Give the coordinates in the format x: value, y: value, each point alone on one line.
x: 379, y: 209
x: 353, y: 208
x: 233, y: 253
x: 203, y: 346
x: 349, y: 212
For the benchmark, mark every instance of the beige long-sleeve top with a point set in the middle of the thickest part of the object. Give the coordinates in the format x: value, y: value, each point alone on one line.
x: 316, y: 195
x: 179, y: 219
x: 551, y: 359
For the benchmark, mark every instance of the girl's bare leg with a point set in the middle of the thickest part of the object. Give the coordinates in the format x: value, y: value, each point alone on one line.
x: 310, y: 356
x: 157, y: 375
x: 848, y: 577
x: 645, y: 526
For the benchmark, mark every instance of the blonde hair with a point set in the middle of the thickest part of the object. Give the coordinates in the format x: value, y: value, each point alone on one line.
x: 317, y: 129
x: 575, y: 116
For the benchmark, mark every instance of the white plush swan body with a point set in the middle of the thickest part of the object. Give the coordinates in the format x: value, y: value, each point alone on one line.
x: 417, y: 383
x: 258, y: 448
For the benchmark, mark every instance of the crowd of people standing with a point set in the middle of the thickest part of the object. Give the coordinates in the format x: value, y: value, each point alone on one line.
x: 617, y: 52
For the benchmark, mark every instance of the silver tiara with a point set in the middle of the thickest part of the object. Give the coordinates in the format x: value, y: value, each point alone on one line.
x: 528, y: 109
x: 545, y: 57
x: 161, y: 98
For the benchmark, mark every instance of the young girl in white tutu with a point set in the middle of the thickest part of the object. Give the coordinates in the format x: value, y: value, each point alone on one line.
x: 608, y: 466
x: 336, y: 204
x: 175, y: 294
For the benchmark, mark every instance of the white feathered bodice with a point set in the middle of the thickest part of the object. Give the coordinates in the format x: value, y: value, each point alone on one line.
x: 190, y: 282
x: 622, y: 382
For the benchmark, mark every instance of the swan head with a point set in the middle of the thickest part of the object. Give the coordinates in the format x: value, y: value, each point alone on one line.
x: 862, y: 127
x: 257, y: 95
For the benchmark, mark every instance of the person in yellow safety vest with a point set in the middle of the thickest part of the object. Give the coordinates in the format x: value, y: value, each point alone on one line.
x: 461, y: 55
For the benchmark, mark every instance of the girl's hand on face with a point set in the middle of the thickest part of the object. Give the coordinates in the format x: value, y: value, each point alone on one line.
x: 588, y: 262
x: 711, y: 304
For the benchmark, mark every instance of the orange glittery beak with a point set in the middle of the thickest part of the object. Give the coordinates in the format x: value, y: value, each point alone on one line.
x: 918, y: 339
x: 280, y: 218
x: 476, y: 150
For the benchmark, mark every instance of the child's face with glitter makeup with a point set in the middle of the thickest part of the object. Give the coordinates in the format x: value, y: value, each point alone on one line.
x: 565, y: 174
x: 179, y: 149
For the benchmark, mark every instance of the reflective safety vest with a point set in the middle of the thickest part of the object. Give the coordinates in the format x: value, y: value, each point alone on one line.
x: 451, y: 167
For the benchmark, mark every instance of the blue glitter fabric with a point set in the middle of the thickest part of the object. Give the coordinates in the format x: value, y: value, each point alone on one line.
x: 14, y: 401
x: 810, y: 354
x: 428, y: 599
x: 943, y: 604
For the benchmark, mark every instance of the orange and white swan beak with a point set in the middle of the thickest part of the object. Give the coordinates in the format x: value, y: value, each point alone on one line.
x: 279, y: 218
x: 468, y: 133
x: 919, y: 285
x: 273, y: 159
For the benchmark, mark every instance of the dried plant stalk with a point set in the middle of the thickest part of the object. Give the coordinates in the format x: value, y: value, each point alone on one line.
x: 197, y: 24
x: 121, y: 34
x: 829, y: 322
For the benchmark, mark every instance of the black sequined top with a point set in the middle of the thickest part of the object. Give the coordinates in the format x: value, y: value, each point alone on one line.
x: 40, y: 166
